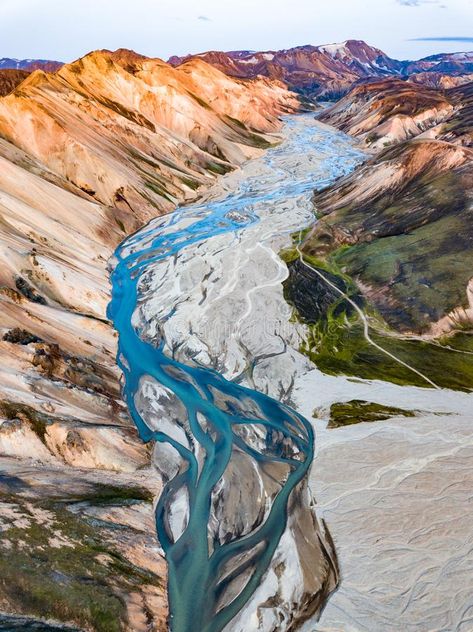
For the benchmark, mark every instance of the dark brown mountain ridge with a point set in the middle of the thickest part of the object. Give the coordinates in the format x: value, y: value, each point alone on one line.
x: 330, y: 70
x: 10, y: 78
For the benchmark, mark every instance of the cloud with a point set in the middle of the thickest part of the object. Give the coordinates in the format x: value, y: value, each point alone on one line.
x: 441, y: 39
x: 418, y: 3
x: 204, y: 18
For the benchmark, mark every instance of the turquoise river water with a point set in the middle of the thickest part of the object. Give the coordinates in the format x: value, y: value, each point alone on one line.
x: 195, y: 571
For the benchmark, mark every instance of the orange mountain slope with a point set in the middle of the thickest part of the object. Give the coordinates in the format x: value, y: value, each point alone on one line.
x: 140, y: 137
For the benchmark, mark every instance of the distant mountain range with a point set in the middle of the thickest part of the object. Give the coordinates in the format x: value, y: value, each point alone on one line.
x: 14, y: 71
x: 30, y: 64
x: 329, y: 71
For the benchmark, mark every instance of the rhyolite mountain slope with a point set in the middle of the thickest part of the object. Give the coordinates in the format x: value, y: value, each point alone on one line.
x: 140, y: 138
x: 385, y: 112
x: 14, y: 71
x: 459, y: 127
x: 329, y: 71
x: 441, y: 80
x: 87, y: 155
x: 388, y: 111
x: 444, y: 62
x: 10, y: 78
x: 396, y: 236
x: 401, y: 227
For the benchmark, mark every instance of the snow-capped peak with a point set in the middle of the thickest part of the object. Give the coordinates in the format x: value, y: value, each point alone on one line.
x: 335, y: 49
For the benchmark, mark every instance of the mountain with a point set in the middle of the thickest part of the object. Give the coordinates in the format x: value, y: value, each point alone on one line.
x: 401, y: 213
x: 140, y: 138
x: 443, y: 62
x: 388, y: 111
x: 459, y: 128
x: 14, y: 71
x: 382, y: 113
x: 88, y: 155
x: 30, y: 64
x: 9, y: 79
x: 396, y: 236
x: 329, y: 71
x: 443, y: 71
x: 441, y: 80
x: 325, y: 71
x: 364, y: 59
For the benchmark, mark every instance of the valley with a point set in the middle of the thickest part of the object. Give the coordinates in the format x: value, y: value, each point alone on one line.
x: 189, y: 294
x: 253, y: 218
x: 206, y: 285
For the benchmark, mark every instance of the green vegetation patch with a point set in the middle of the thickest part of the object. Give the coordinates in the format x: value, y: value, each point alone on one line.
x: 218, y: 168
x: 258, y: 141
x: 66, y: 570
x: 357, y: 411
x: 336, y: 341
x: 37, y: 420
x: 411, y: 247
x: 159, y: 189
x: 192, y: 184
x: 235, y: 121
x: 120, y: 224
x: 113, y: 494
x: 134, y: 117
x: 421, y: 276
x: 372, y: 138
x: 20, y: 336
x: 337, y: 346
x: 200, y: 101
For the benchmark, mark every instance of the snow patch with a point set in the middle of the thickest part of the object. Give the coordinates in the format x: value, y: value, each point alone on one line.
x: 335, y: 49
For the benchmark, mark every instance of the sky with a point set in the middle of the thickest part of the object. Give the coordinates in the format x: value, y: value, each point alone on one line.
x: 57, y: 29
